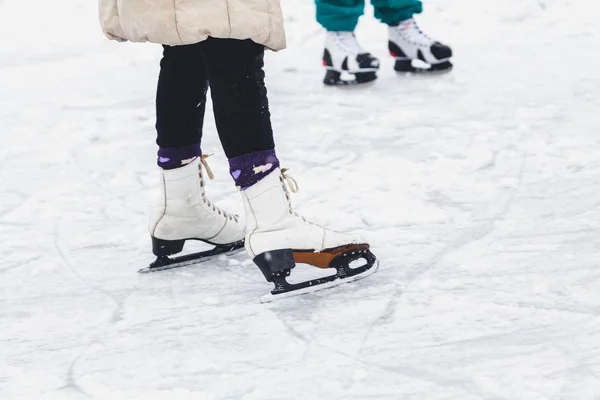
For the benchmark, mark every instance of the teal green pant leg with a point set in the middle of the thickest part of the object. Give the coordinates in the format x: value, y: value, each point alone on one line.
x: 339, y: 15
x: 392, y: 12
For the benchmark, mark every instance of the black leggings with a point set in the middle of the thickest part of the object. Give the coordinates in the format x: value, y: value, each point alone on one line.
x: 234, y: 70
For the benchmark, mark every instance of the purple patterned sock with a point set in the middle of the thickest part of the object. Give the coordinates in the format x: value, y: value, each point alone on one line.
x: 250, y: 168
x: 176, y: 157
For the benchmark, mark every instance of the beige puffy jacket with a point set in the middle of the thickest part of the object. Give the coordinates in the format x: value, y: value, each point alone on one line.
x: 177, y: 22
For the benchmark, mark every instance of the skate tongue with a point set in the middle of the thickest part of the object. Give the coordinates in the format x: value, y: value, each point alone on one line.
x: 347, y: 41
x: 412, y: 32
x: 407, y: 24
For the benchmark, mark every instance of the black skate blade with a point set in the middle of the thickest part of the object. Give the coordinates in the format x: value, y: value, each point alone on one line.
x: 345, y: 274
x: 334, y: 78
x: 164, y: 263
x: 406, y: 66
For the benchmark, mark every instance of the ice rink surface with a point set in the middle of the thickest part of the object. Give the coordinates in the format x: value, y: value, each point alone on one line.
x: 479, y: 192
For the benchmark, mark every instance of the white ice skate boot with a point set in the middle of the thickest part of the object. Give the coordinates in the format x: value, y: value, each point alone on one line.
x: 407, y: 43
x: 183, y: 212
x: 343, y: 54
x: 277, y: 238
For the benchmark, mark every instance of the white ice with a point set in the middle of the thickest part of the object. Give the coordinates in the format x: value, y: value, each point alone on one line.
x: 478, y: 190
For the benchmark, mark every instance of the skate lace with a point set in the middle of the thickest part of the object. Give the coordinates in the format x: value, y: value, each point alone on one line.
x: 204, y: 163
x: 411, y: 31
x: 347, y: 41
x: 291, y: 185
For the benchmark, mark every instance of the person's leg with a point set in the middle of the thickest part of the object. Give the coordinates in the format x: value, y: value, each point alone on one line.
x: 339, y: 15
x: 241, y: 106
x: 276, y: 236
x: 240, y: 103
x: 180, y: 105
x: 183, y: 212
x: 392, y: 12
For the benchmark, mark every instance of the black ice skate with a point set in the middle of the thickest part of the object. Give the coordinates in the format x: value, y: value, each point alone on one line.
x: 408, y: 43
x: 343, y: 57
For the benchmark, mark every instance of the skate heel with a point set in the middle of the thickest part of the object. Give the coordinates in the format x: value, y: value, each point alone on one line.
x: 332, y: 78
x: 275, y: 263
x: 404, y: 66
x: 161, y: 247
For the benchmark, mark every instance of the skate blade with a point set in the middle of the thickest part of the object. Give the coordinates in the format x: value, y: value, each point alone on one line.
x: 335, y: 79
x: 268, y: 298
x: 423, y: 69
x: 166, y: 263
x: 421, y: 72
x: 352, y: 86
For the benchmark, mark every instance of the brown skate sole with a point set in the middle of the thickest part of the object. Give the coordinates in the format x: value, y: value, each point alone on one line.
x: 323, y: 258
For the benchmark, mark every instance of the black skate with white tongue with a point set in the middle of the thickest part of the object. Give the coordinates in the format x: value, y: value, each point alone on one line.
x: 346, y: 62
x: 415, y: 52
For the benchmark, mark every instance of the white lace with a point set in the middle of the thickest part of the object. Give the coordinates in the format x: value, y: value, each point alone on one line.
x: 347, y: 42
x: 231, y: 217
x: 411, y: 32
x: 291, y: 185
